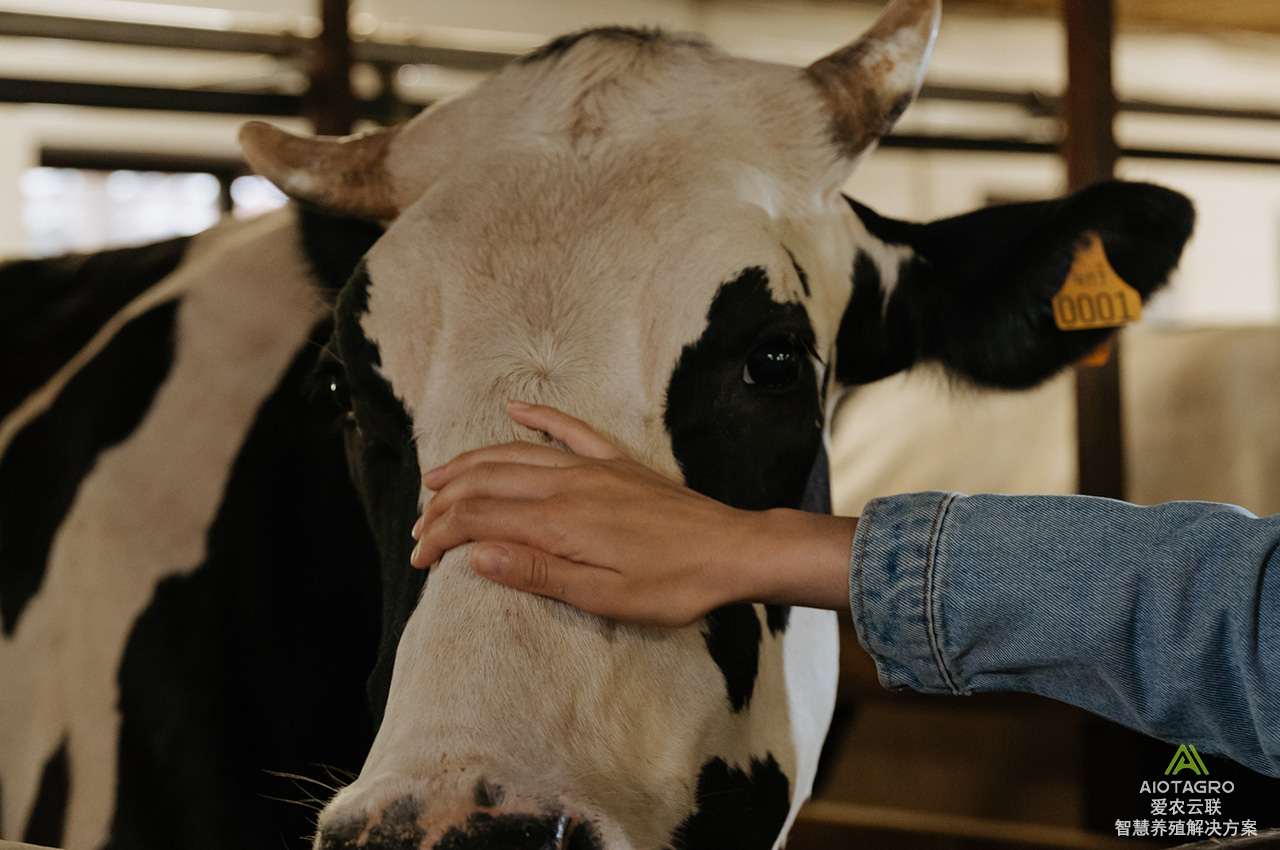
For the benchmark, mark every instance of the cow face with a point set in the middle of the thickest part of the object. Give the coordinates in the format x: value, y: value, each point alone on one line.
x: 647, y: 234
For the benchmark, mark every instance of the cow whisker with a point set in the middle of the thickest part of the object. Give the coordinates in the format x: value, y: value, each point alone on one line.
x: 313, y: 804
x: 298, y: 777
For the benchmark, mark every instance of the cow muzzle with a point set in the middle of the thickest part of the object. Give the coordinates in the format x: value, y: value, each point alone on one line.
x: 406, y: 824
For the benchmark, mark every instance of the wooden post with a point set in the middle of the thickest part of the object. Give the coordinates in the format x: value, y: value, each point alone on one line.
x: 1090, y: 151
x: 331, y: 104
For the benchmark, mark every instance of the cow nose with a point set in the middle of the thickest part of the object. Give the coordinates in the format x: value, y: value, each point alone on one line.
x: 483, y: 831
x: 397, y: 827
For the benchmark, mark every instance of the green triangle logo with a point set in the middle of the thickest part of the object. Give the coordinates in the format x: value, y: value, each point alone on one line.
x: 1186, y: 757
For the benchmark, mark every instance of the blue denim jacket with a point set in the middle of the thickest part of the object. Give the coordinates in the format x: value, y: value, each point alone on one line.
x: 1166, y: 619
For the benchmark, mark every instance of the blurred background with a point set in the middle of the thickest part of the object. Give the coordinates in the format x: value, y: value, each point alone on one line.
x: 117, y: 126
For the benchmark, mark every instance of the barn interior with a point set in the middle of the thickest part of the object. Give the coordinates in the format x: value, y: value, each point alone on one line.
x: 118, y: 122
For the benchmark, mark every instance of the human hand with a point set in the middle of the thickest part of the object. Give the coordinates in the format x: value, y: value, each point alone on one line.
x: 609, y: 535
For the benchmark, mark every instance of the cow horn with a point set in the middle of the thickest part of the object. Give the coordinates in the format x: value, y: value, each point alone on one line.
x: 868, y: 84
x: 341, y: 175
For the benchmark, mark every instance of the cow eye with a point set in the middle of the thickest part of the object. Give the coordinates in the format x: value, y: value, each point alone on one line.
x: 773, y: 365
x: 340, y: 395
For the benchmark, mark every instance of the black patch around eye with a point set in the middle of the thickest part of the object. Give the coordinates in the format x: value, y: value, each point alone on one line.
x: 740, y: 446
x: 333, y: 383
x: 339, y: 393
x: 749, y: 449
x: 736, y: 808
x: 384, y: 467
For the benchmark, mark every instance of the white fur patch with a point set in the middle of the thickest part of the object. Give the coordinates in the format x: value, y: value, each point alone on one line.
x: 888, y: 257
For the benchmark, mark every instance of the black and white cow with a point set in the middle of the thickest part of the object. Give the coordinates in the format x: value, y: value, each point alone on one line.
x: 631, y: 226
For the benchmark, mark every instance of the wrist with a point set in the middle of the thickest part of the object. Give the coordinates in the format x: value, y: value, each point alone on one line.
x: 792, y: 557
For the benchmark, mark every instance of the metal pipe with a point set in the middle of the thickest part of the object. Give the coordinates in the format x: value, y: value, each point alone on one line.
x: 330, y: 102
x: 130, y: 33
x: 136, y: 34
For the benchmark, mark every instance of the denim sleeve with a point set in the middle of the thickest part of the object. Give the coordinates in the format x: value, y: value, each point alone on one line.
x: 1166, y: 619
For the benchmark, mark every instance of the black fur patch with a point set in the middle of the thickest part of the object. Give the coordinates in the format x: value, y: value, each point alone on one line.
x: 870, y: 345
x: 334, y: 246
x: 732, y: 635
x: 749, y: 447
x: 804, y: 278
x: 737, y: 809
x: 777, y: 617
x: 398, y: 828
x: 44, y: 466
x: 48, y: 816
x: 635, y: 36
x: 977, y: 296
x: 257, y: 661
x: 53, y: 307
x: 483, y: 831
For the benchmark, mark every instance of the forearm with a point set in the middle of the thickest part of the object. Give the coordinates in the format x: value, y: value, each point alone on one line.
x: 1160, y: 618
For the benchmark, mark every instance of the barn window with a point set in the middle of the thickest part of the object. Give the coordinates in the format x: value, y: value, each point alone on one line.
x: 66, y: 207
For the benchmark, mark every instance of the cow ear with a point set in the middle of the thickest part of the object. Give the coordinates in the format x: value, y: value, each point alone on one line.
x: 974, y: 293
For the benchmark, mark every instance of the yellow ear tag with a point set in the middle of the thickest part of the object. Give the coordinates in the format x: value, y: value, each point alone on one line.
x: 1094, y: 296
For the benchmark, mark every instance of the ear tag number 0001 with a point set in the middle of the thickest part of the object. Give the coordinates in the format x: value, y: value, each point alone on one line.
x: 1094, y: 296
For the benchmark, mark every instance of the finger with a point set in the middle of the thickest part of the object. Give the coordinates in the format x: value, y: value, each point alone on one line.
x: 580, y: 437
x: 466, y: 520
x: 535, y: 571
x: 531, y: 454
x: 491, y: 480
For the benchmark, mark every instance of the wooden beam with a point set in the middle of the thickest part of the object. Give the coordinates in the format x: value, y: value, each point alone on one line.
x: 1090, y: 102
x: 331, y: 104
x: 1090, y: 150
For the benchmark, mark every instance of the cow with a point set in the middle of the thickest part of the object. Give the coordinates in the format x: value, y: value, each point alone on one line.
x: 627, y: 224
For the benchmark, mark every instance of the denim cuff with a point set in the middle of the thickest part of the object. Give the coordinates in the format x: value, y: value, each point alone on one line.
x: 892, y: 591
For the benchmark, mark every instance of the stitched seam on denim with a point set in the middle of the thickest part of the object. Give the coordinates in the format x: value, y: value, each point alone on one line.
x: 867, y: 514
x: 930, y: 620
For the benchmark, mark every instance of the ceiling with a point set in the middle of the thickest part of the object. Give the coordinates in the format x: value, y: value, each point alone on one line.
x: 1184, y: 15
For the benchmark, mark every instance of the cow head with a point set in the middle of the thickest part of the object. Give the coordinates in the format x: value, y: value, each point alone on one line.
x: 650, y: 235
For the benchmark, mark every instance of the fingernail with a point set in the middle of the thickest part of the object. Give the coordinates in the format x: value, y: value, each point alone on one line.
x: 413, y: 558
x: 432, y: 474
x: 417, y: 528
x: 514, y: 404
x: 493, y: 561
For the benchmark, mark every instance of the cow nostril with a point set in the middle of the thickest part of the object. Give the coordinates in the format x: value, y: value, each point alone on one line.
x: 487, y: 795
